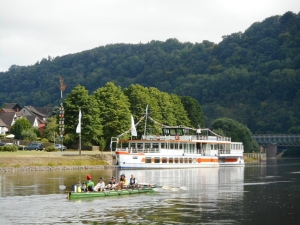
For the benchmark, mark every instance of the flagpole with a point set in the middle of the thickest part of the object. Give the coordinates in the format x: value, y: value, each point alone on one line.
x: 79, y: 143
x: 78, y: 131
x: 146, y: 121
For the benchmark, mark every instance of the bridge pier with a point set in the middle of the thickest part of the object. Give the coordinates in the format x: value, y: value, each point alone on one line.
x: 271, y: 151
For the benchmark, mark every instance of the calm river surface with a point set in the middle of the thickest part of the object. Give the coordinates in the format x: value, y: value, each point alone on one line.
x: 264, y: 193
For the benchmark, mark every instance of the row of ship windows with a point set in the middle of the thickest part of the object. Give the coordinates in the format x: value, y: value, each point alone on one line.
x: 169, y: 160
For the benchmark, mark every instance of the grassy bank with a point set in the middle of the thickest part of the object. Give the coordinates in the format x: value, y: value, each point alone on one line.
x: 42, y: 158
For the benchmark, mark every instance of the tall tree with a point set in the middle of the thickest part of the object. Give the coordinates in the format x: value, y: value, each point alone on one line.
x: 114, y: 110
x: 139, y: 99
x: 179, y: 111
x: 91, y: 127
x: 19, y: 126
x: 238, y: 133
x: 194, y: 111
x: 51, y: 130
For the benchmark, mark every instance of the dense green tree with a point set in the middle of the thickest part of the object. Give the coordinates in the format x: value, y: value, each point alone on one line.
x: 20, y: 125
x: 51, y: 130
x: 238, y: 133
x: 179, y: 112
x: 91, y: 122
x: 29, y: 135
x: 139, y: 99
x: 114, y: 110
x: 194, y: 111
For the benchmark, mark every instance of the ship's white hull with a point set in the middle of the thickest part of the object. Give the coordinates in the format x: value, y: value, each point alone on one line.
x: 127, y: 160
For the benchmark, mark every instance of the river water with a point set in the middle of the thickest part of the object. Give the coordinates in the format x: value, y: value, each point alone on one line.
x: 263, y: 193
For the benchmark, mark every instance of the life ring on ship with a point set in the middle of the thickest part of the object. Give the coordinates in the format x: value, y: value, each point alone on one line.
x: 177, y: 137
x: 158, y: 137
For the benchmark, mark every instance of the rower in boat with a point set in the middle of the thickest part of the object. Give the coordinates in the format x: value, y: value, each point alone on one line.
x: 101, y: 185
x: 112, y: 184
x: 88, y: 185
x: 133, y: 183
x: 122, y: 182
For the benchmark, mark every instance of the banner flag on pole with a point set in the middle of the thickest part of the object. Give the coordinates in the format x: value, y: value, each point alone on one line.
x: 78, y: 128
x: 147, y: 110
x: 133, y: 129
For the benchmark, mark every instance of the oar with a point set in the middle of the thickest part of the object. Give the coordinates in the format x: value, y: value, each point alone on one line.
x: 168, y: 187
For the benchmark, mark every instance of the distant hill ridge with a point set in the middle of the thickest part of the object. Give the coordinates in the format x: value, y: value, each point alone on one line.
x: 253, y: 77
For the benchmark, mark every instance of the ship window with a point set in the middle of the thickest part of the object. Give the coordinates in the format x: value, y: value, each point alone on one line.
x: 132, y: 145
x: 176, y: 160
x: 155, y: 145
x: 181, y: 160
x: 171, y: 146
x: 176, y: 146
x: 179, y: 131
x: 180, y: 146
x: 156, y: 160
x: 190, y: 160
x: 164, y: 160
x: 166, y: 131
x: 140, y: 145
x: 170, y: 160
x: 172, y: 132
x: 148, y: 160
x: 134, y: 157
x: 147, y: 145
x: 186, y: 160
x: 162, y: 145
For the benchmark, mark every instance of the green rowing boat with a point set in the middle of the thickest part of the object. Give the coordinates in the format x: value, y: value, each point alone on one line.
x: 78, y: 195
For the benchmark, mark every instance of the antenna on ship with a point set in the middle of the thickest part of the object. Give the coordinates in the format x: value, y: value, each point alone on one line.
x: 146, y: 121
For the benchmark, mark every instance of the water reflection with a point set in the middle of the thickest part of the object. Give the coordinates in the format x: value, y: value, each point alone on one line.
x: 257, y: 194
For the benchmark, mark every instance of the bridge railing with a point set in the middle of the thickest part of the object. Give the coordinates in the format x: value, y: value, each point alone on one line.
x: 278, y: 139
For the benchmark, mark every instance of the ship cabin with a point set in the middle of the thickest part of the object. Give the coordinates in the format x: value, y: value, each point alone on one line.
x: 181, y: 141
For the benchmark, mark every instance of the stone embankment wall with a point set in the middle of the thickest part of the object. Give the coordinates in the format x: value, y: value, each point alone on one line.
x: 54, y: 168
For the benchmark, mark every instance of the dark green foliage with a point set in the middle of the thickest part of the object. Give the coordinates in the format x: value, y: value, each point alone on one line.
x: 253, y: 77
x: 237, y: 131
x: 194, y: 111
x: 114, y: 110
x: 91, y: 123
x: 51, y: 149
x: 292, y: 152
x: 9, y: 148
x: 19, y: 126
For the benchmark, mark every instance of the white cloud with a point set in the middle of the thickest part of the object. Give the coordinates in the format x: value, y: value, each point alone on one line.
x: 32, y: 29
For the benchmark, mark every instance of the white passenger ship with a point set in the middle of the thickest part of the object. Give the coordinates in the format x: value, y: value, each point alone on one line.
x: 178, y: 147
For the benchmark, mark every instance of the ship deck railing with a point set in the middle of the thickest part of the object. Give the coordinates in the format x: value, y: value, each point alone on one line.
x: 186, y: 138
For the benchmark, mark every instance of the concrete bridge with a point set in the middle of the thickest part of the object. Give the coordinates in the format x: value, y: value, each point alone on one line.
x: 270, y: 142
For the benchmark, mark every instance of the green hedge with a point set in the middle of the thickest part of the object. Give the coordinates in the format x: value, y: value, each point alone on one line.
x: 9, y: 148
x: 51, y: 149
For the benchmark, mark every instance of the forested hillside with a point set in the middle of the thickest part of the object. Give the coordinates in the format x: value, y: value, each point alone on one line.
x: 252, y: 77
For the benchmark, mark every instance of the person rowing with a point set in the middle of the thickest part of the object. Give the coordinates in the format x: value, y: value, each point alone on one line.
x: 101, y: 185
x: 122, y: 182
x: 112, y: 184
x: 133, y: 183
x: 89, y: 184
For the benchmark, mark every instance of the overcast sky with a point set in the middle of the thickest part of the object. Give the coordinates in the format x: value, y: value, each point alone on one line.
x: 34, y: 29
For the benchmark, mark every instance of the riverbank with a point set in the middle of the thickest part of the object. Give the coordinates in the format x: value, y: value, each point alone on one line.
x: 67, y: 160
x: 43, y: 161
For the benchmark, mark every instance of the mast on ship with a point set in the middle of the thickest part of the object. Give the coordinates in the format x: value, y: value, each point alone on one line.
x: 146, y: 121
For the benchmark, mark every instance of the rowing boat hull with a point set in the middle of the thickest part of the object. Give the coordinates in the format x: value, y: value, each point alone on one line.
x: 80, y: 195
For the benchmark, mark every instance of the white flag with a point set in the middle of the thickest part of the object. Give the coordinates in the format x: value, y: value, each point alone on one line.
x: 78, y: 128
x: 147, y: 110
x: 133, y: 130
